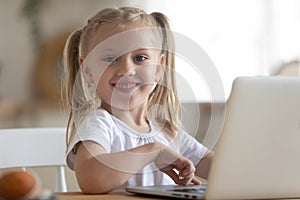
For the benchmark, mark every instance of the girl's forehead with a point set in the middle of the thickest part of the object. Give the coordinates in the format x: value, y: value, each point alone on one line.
x: 107, y: 30
x: 125, y: 38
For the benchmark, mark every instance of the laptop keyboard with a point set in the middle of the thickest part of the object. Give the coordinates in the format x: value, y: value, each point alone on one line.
x: 200, y: 191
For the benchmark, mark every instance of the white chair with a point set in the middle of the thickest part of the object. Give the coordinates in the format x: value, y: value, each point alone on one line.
x: 35, y: 147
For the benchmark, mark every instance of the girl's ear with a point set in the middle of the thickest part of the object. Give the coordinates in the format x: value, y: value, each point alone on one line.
x: 87, y: 74
x: 160, y: 67
x: 80, y: 60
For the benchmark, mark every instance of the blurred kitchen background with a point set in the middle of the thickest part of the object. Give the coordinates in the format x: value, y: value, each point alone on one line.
x: 242, y: 37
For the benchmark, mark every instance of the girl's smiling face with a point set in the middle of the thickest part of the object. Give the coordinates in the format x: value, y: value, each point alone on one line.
x: 125, y: 66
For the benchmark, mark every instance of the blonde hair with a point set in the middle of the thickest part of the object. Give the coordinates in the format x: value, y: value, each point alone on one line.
x: 164, y: 94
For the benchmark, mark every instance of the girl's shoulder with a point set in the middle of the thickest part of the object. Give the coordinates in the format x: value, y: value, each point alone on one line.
x: 180, y: 132
x: 97, y: 116
x: 101, y: 117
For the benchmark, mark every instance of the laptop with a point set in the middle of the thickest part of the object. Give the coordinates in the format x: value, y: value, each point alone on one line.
x: 258, y: 153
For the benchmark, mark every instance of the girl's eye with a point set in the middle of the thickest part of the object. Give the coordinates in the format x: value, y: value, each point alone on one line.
x: 109, y: 59
x: 140, y: 58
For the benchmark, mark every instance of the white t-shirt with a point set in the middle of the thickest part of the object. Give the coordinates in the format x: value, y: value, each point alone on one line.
x: 114, y: 136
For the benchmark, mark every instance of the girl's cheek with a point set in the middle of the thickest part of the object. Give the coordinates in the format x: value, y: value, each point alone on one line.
x: 147, y: 73
x: 98, y: 74
x: 102, y: 75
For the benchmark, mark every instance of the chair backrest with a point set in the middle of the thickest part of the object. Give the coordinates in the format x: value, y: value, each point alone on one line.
x: 34, y: 147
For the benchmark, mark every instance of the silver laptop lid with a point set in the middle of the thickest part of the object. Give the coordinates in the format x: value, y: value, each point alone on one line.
x: 258, y: 153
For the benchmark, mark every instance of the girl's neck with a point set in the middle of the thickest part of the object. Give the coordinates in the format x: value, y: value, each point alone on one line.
x: 134, y: 118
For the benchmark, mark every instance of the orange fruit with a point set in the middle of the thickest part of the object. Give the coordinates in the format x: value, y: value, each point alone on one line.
x: 16, y: 184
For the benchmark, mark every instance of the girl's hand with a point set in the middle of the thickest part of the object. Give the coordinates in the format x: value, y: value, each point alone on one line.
x: 179, y: 168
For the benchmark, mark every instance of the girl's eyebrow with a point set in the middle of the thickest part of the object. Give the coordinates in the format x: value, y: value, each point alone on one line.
x: 148, y: 49
x: 116, y: 50
x: 143, y: 49
x: 110, y: 51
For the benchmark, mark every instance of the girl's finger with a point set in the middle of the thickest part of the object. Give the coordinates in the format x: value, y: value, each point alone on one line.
x: 196, y: 181
x: 184, y: 180
x: 189, y: 179
x: 188, y: 171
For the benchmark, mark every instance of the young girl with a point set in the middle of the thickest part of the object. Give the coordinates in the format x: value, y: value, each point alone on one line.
x: 124, y: 124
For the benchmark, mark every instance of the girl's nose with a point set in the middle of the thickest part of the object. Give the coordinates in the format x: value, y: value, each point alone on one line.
x: 126, y: 68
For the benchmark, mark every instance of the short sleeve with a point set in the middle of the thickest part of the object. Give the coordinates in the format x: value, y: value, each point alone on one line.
x: 190, y: 147
x: 95, y: 127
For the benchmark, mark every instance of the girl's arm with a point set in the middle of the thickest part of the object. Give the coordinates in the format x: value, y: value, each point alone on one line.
x: 100, y: 172
x: 203, y: 167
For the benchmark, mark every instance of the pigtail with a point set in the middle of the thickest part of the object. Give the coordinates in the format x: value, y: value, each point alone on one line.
x: 166, y: 93
x: 71, y: 69
x: 71, y: 64
x: 163, y: 23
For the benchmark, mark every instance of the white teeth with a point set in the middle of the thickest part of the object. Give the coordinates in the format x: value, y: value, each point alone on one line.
x: 126, y: 86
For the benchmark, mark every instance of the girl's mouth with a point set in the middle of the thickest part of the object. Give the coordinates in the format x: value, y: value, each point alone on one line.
x: 126, y: 86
